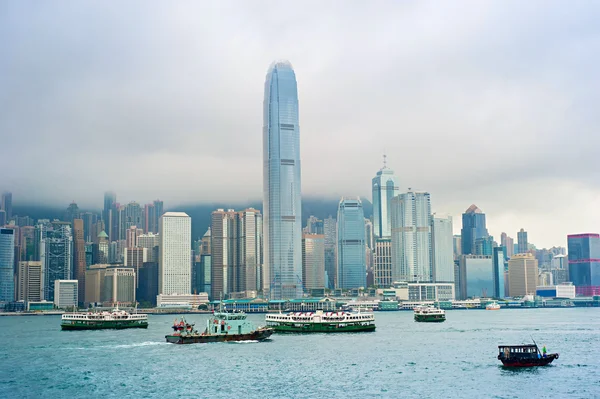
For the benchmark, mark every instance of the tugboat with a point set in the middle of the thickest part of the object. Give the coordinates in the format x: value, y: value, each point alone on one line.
x: 220, y: 327
x: 524, y: 356
x: 429, y: 314
x: 321, y: 322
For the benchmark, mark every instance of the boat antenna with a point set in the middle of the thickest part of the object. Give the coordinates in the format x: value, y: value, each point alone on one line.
x: 536, y: 345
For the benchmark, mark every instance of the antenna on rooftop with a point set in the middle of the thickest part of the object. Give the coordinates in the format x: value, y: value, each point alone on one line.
x: 384, y: 161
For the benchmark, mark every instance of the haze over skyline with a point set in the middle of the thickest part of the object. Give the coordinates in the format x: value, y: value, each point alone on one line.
x: 491, y: 103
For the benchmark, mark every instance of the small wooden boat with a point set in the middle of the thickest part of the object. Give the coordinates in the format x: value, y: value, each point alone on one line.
x: 524, y: 356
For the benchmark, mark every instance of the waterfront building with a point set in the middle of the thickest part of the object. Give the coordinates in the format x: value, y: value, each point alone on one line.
x: 313, y: 261
x: 7, y: 265
x: 119, y: 285
x: 522, y: 275
x: 498, y: 264
x: 94, y: 283
x: 476, y: 277
x: 66, y: 294
x: 443, y: 249
x: 473, y: 227
x: 79, y: 253
x: 175, y: 268
x: 421, y: 292
x: 7, y: 205
x: 147, y: 289
x: 584, y: 263
x: 560, y: 291
x: 523, y: 245
x: 57, y: 255
x: 384, y: 187
x: 189, y: 301
x: 508, y: 244
x: 411, y: 237
x: 382, y: 263
x: 282, y: 201
x: 330, y: 230
x: 30, y: 281
x: 457, y: 246
x: 351, y: 244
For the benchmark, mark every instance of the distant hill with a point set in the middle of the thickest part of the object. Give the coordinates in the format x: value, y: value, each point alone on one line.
x: 200, y: 213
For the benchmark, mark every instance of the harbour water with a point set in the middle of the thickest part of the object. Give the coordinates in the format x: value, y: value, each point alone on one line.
x: 454, y: 359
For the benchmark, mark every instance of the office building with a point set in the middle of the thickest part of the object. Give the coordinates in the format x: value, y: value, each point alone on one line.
x: 282, y: 199
x: 223, y: 250
x: 457, y: 245
x: 131, y: 236
x: 330, y: 232
x: 65, y: 293
x: 7, y: 265
x: 119, y: 285
x: 313, y: 261
x: 369, y: 234
x: 175, y: 268
x: 584, y: 263
x: 559, y: 291
x: 443, y: 249
x: 147, y: 289
x: 523, y: 245
x: 100, y: 248
x: 135, y: 258
x: 152, y: 214
x: 498, y: 261
x: 522, y: 275
x: 382, y: 263
x: 7, y: 205
x: 110, y: 198
x: 384, y: 188
x: 3, y: 219
x: 79, y: 263
x: 30, y: 281
x: 411, y: 237
x: 508, y: 244
x: 249, y: 251
x: 314, y: 225
x: 473, y: 227
x: 475, y: 277
x: 57, y: 255
x: 94, y: 283
x: 130, y: 215
x: 89, y: 220
x: 205, y: 243
x: 351, y: 270
x: 151, y: 242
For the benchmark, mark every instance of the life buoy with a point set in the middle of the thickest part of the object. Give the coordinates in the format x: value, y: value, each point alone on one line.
x: 229, y: 327
x: 222, y: 322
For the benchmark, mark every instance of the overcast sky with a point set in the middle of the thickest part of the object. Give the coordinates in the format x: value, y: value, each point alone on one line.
x: 492, y: 103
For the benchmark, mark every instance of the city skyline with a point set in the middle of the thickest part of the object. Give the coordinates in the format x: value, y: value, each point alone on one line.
x: 448, y: 115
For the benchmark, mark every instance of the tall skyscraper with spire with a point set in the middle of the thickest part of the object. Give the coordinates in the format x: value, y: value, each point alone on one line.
x: 282, y: 200
x: 385, y: 187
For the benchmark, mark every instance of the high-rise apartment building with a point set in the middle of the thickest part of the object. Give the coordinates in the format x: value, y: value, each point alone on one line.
x: 175, y: 267
x: 79, y: 264
x: 30, y: 281
x: 411, y: 237
x: 131, y: 236
x: 384, y: 188
x: 249, y: 249
x: 7, y: 205
x: 443, y: 251
x: 382, y: 263
x: 135, y: 258
x: 351, y: 270
x: 223, y: 250
x: 523, y: 245
x: 56, y: 253
x: 130, y: 215
x: 508, y: 243
x: 313, y: 261
x: 7, y: 265
x: 330, y: 232
x: 584, y: 263
x: 282, y: 200
x: 522, y: 275
x: 473, y: 228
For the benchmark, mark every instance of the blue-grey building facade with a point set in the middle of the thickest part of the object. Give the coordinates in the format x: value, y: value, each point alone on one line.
x: 473, y: 228
x: 352, y: 268
x: 498, y: 260
x: 385, y: 187
x: 584, y: 263
x: 7, y: 264
x: 282, y: 200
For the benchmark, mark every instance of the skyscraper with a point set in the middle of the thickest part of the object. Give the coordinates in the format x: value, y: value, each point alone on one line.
x: 330, y: 230
x: 382, y: 263
x: 498, y: 264
x: 522, y: 275
x: 7, y: 205
x: 411, y: 237
x: 385, y: 187
x: 473, y: 227
x: 282, y: 201
x: 109, y: 199
x: 584, y: 263
x: 508, y: 244
x: 132, y: 214
x: 314, y: 225
x: 175, y: 266
x: 79, y: 257
x: 313, y: 261
x: 57, y: 254
x: 7, y: 260
x: 223, y: 250
x: 249, y: 246
x: 351, y: 270
x: 443, y: 251
x: 522, y: 243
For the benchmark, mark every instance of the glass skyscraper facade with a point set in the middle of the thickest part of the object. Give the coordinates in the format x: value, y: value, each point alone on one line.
x: 330, y: 230
x: 473, y: 228
x: 7, y: 260
x: 57, y: 255
x: 385, y: 187
x: 352, y: 268
x: 282, y: 200
x: 584, y: 263
x: 498, y: 264
x: 443, y: 251
x: 411, y: 237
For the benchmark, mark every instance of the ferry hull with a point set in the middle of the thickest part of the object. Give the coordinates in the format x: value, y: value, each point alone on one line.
x: 258, y: 335
x: 430, y: 318
x: 104, y: 325
x: 322, y: 328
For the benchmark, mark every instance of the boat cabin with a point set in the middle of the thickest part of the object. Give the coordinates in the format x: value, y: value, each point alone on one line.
x: 518, y: 351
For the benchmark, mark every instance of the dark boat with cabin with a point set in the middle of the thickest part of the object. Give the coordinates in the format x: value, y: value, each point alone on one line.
x: 524, y: 356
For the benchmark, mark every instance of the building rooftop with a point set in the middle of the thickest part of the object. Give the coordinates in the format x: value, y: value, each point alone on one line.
x: 473, y: 209
x: 176, y: 214
x: 103, y: 234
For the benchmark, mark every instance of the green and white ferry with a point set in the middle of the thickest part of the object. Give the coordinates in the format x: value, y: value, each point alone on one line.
x: 429, y: 314
x: 116, y: 319
x: 321, y: 322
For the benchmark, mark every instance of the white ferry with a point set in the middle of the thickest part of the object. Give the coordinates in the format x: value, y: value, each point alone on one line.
x: 492, y: 306
x: 322, y: 322
x: 115, y: 319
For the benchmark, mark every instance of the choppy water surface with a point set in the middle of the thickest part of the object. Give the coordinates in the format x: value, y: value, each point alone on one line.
x: 455, y: 359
